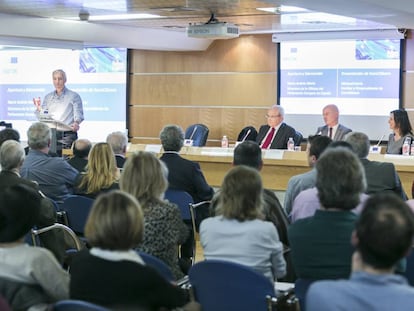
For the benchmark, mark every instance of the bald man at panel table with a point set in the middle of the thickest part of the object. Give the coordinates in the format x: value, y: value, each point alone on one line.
x: 275, y: 134
x: 332, y: 128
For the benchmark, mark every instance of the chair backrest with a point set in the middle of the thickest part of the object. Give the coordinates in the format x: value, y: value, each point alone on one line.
x: 77, y: 210
x: 158, y: 265
x: 77, y: 305
x: 222, y: 285
x: 247, y: 133
x: 298, y: 138
x: 301, y: 288
x: 68, y: 231
x: 409, y: 270
x: 182, y: 199
x: 198, y: 133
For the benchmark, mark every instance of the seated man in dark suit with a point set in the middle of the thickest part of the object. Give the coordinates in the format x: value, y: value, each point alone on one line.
x: 119, y: 144
x: 12, y: 156
x: 81, y: 149
x: 380, y: 176
x: 332, y: 128
x: 383, y: 236
x: 275, y: 134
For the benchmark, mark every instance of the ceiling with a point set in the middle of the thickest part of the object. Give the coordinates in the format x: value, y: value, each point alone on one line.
x: 177, y: 14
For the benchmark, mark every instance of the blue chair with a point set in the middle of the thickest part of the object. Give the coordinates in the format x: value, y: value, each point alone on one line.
x: 184, y: 200
x: 158, y: 265
x: 77, y: 208
x: 301, y: 288
x: 198, y: 133
x: 222, y: 285
x: 409, y: 269
x: 77, y: 305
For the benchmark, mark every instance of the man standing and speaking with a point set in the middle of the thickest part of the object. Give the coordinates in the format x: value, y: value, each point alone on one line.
x: 64, y: 106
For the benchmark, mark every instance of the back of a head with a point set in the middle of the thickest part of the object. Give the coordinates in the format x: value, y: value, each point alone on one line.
x: 38, y: 136
x: 81, y: 148
x: 116, y: 222
x: 359, y: 143
x: 144, y: 176
x: 340, y: 179
x: 19, y: 212
x: 241, y: 194
x: 101, y: 158
x: 248, y: 153
x: 385, y: 230
x: 118, y: 142
x: 318, y: 144
x: 11, y: 155
x: 172, y: 138
x: 9, y: 133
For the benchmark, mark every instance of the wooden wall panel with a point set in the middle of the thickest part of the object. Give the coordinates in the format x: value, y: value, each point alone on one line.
x: 247, y: 53
x: 408, y: 90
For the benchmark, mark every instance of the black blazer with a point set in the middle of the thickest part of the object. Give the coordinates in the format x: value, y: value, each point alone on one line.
x: 282, y: 136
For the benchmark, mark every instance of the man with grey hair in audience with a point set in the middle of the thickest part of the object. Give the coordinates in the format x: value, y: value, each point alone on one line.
x: 54, y: 175
x: 12, y: 156
x: 81, y: 148
x: 380, y: 176
x: 119, y: 142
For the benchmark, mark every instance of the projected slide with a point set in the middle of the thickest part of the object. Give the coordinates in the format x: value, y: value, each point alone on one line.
x: 97, y: 74
x: 362, y: 77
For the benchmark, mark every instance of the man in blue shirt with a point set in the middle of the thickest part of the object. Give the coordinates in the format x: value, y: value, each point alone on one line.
x: 64, y: 106
x: 54, y: 175
x: 383, y: 236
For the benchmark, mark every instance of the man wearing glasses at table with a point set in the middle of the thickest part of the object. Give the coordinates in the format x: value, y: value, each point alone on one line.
x: 276, y: 133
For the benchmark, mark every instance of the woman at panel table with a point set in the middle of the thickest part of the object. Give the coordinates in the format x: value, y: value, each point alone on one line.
x: 101, y: 172
x: 238, y: 233
x: 401, y: 127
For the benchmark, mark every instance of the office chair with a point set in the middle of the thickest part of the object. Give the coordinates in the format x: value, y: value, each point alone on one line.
x: 158, y: 265
x: 77, y: 208
x: 298, y: 138
x: 77, y: 305
x: 183, y: 200
x: 220, y: 285
x: 198, y: 133
x: 247, y: 133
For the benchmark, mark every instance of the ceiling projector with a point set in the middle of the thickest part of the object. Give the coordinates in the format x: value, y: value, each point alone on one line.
x: 216, y: 30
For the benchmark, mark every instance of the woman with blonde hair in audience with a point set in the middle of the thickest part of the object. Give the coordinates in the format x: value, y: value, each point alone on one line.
x: 145, y: 177
x: 238, y: 233
x: 111, y: 273
x: 101, y: 173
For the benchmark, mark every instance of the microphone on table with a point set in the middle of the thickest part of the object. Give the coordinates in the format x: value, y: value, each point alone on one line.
x: 192, y: 134
x: 245, y: 136
x: 382, y: 137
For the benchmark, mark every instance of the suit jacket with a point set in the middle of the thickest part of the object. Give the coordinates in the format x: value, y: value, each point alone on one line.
x: 340, y: 132
x: 382, y: 177
x: 120, y: 161
x: 78, y: 163
x: 281, y: 138
x: 186, y: 175
x: 53, y: 240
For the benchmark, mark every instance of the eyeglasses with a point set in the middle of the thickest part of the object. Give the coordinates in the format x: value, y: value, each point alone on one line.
x: 272, y: 117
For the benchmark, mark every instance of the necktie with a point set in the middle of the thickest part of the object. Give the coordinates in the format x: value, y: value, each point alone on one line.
x: 330, y: 132
x: 268, y: 140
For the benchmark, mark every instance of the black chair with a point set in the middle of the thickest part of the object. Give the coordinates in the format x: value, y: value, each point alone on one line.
x: 298, y: 138
x: 198, y: 133
x: 247, y: 133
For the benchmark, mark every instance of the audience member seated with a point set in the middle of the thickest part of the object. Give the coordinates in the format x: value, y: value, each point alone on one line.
x: 249, y: 154
x: 401, y: 128
x: 298, y: 183
x: 30, y: 277
x: 11, y: 158
x: 54, y: 175
x: 7, y: 134
x: 184, y: 174
x: 332, y: 128
x: 238, y: 233
x: 119, y: 144
x: 320, y: 244
x: 383, y: 236
x: 275, y: 134
x: 381, y: 176
x: 111, y: 273
x: 81, y: 149
x: 101, y: 173
x: 145, y: 177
